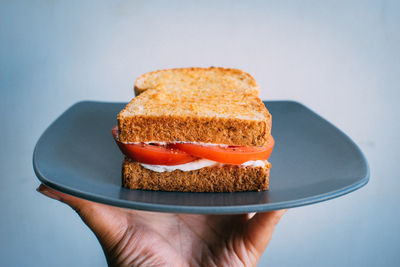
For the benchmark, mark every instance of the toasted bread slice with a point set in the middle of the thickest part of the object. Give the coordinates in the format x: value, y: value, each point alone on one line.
x: 197, y: 78
x: 229, y: 178
x: 219, y: 116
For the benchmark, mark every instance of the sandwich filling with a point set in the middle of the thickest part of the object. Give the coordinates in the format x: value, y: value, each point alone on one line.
x: 198, y: 164
x: 189, y: 156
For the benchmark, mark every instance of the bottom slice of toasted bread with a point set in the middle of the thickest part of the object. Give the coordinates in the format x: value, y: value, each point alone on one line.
x: 228, y: 178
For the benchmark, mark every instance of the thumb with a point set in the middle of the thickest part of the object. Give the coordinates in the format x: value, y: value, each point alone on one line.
x: 106, y: 222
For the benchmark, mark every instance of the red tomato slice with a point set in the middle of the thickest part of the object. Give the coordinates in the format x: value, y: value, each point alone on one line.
x: 153, y: 154
x: 230, y: 154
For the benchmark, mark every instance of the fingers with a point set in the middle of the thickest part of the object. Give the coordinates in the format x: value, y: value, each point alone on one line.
x: 260, y: 228
x: 73, y: 202
x: 105, y: 221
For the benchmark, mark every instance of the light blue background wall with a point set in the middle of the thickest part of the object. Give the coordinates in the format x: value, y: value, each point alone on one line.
x: 340, y: 58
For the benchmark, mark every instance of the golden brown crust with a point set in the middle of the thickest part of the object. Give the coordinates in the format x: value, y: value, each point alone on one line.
x: 187, y: 77
x: 228, y: 178
x: 191, y: 129
x: 208, y: 115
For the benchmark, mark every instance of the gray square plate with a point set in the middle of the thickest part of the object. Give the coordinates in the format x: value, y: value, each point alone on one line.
x: 312, y: 161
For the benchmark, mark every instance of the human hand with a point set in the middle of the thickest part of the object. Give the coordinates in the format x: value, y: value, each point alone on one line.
x: 132, y: 237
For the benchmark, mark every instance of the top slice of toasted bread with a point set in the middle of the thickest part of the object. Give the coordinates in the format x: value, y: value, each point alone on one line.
x: 196, y: 111
x: 196, y: 78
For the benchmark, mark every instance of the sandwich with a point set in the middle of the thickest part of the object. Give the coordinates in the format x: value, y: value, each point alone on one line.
x: 195, y: 130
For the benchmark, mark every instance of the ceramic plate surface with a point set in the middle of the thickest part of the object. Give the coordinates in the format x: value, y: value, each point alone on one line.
x: 312, y: 161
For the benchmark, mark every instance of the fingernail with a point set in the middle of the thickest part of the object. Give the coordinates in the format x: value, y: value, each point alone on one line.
x: 281, y: 212
x: 251, y: 215
x: 43, y: 190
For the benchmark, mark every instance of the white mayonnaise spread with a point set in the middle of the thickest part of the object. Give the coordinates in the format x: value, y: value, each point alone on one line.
x: 177, y: 142
x: 198, y: 164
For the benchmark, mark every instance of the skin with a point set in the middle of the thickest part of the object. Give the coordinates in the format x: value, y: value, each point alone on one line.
x: 140, y: 238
